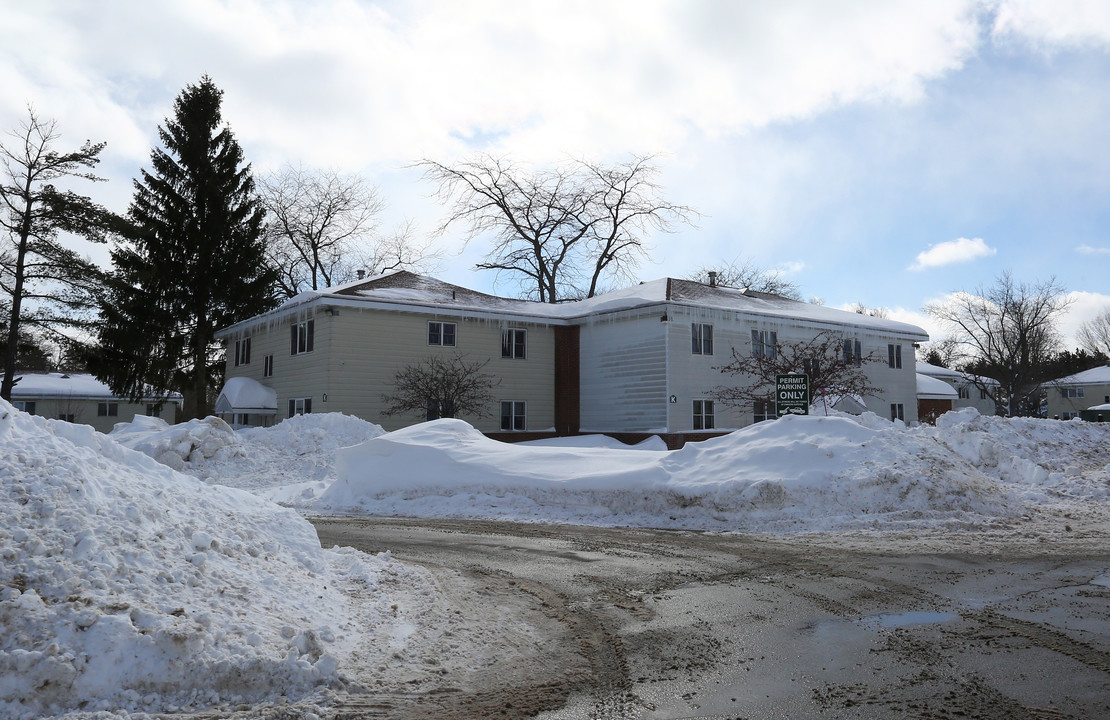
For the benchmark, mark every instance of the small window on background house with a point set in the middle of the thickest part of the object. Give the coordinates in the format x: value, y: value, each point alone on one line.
x: 513, y: 415
x: 853, y: 353
x: 441, y: 333
x: 300, y: 406
x: 514, y: 343
x: 152, y: 410
x: 66, y: 417
x: 764, y: 343
x: 763, y: 410
x: 984, y: 395
x: 701, y: 338
x: 268, y: 366
x: 897, y: 412
x: 27, y: 406
x: 964, y: 392
x: 242, y: 352
x: 302, y: 337
x: 703, y: 415
x: 1106, y: 399
x: 894, y: 356
x: 107, y: 409
x: 811, y: 367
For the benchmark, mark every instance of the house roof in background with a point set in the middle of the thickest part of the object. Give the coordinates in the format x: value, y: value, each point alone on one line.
x: 1094, y: 376
x: 67, y: 385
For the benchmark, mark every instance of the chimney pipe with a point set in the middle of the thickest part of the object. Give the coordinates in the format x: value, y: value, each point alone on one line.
x: 712, y: 278
x: 361, y: 274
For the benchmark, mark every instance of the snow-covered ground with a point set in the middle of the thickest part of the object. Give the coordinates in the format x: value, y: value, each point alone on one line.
x: 148, y: 570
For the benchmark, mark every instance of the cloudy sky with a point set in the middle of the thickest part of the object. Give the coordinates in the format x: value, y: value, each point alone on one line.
x: 878, y: 152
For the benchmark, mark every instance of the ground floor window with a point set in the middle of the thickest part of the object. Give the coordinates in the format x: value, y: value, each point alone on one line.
x: 513, y: 415
x: 107, y: 409
x: 1068, y: 415
x: 300, y: 406
x: 763, y: 410
x: 27, y: 406
x: 67, y: 417
x: 703, y: 415
x: 897, y: 412
x: 152, y: 410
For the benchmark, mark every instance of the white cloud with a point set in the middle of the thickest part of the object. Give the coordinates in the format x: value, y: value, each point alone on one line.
x: 1052, y: 24
x: 1083, y: 308
x: 1091, y: 250
x: 792, y: 267
x: 960, y: 250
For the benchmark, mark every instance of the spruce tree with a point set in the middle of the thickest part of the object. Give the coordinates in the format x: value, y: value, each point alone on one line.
x: 190, y: 260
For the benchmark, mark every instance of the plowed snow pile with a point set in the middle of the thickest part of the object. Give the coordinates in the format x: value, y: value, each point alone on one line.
x: 797, y: 474
x: 127, y: 586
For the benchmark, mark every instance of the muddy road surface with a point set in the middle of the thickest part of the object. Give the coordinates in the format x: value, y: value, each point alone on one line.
x: 620, y: 623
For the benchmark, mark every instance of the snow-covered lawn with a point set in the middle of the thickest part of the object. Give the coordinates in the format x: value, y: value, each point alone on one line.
x: 149, y: 570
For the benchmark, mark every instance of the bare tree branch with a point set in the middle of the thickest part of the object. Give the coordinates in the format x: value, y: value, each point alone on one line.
x: 748, y: 275
x: 442, y: 386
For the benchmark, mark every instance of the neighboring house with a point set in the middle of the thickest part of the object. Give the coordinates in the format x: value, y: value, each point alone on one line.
x: 934, y: 398
x: 1068, y: 396
x: 971, y: 391
x: 80, y: 398
x: 637, y: 361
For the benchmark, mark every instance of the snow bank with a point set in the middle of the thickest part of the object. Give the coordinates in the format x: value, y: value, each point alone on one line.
x: 126, y: 586
x: 297, y: 451
x: 798, y: 474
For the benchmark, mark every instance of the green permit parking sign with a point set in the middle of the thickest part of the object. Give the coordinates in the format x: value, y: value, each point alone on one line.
x: 792, y: 394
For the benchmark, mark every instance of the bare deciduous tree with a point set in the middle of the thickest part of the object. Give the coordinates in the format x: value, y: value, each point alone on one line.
x: 1094, y: 335
x: 562, y: 231
x: 1007, y: 332
x: 322, y: 227
x: 746, y: 274
x: 442, y: 386
x: 834, y: 364
x: 50, y: 286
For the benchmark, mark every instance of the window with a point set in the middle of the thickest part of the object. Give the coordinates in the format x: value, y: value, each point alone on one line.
x: 811, y: 367
x: 107, y: 409
x: 897, y: 412
x: 242, y: 352
x: 764, y: 410
x: 703, y: 415
x: 984, y: 395
x: 67, y: 417
x: 300, y: 406
x: 853, y: 353
x: 764, y: 343
x: 1067, y: 415
x: 152, y: 410
x: 437, y: 409
x: 894, y: 356
x: 701, y: 338
x: 964, y: 392
x: 268, y: 366
x: 441, y: 333
x: 512, y: 415
x: 27, y: 406
x: 301, y: 337
x: 1072, y: 392
x: 513, y: 343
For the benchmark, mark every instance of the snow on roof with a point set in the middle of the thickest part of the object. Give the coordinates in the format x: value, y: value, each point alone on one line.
x: 1094, y: 376
x: 406, y: 288
x: 57, y: 384
x: 937, y: 371
x: 931, y: 388
x: 245, y: 395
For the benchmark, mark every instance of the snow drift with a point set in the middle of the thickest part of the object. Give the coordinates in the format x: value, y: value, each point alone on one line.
x: 125, y: 585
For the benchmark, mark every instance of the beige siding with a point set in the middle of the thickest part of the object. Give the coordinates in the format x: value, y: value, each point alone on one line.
x: 84, y: 411
x: 357, y: 353
x: 1093, y: 394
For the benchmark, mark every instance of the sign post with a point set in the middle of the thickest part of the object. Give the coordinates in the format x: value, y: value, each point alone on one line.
x: 792, y: 394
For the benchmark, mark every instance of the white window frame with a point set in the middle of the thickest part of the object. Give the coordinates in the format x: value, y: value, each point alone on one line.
x: 964, y: 392
x: 704, y: 417
x: 268, y: 365
x: 897, y: 412
x: 517, y: 410
x: 701, y: 338
x: 27, y: 406
x: 67, y: 417
x: 107, y: 409
x: 894, y: 355
x: 300, y: 406
x: 765, y: 344
x: 302, y: 337
x: 514, y: 344
x: 852, y: 350
x: 1072, y: 392
x: 243, y: 351
x: 439, y: 338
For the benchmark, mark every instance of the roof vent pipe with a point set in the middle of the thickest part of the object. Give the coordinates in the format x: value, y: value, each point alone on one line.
x: 361, y: 274
x: 712, y: 278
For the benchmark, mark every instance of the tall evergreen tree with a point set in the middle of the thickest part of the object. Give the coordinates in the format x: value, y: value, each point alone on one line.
x: 190, y: 260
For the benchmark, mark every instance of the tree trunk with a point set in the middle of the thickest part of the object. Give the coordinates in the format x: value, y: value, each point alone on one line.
x: 17, y: 304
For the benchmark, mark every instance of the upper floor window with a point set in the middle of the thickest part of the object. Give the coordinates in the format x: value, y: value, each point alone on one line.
x: 964, y: 392
x: 853, y: 353
x: 811, y: 367
x: 513, y: 343
x: 441, y: 333
x: 107, y: 409
x: 302, y: 337
x: 242, y: 352
x: 268, y: 366
x: 764, y: 343
x: 703, y: 415
x: 701, y: 337
x: 894, y: 356
x: 1076, y: 392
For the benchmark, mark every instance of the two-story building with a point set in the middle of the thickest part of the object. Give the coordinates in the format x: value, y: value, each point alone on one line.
x: 1068, y: 396
x: 81, y: 398
x: 971, y: 391
x: 637, y: 361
